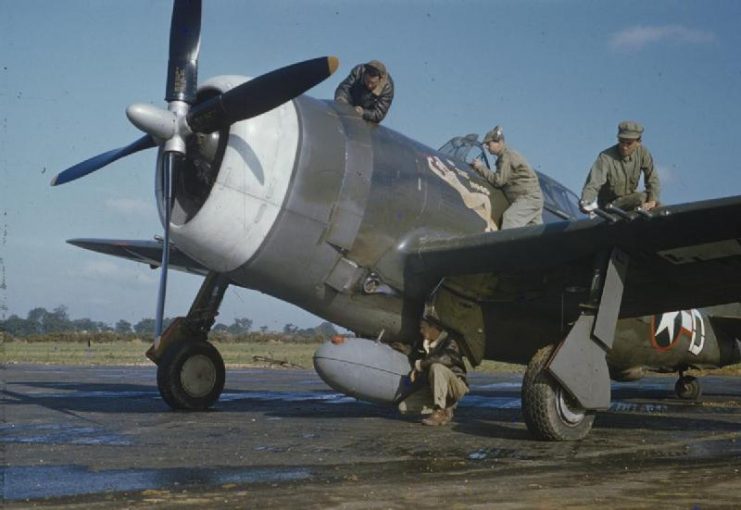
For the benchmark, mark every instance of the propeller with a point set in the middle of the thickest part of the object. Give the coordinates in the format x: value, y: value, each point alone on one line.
x: 185, y: 44
x: 180, y: 92
x: 171, y: 128
x: 101, y: 160
x: 260, y: 95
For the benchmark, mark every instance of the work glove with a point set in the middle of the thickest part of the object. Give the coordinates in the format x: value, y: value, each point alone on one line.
x: 588, y: 207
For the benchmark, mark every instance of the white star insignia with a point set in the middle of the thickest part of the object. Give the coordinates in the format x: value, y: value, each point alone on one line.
x: 667, y: 322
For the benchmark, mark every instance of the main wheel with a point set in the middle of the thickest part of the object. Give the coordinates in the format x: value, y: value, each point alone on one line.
x: 688, y: 388
x: 551, y: 414
x: 190, y: 375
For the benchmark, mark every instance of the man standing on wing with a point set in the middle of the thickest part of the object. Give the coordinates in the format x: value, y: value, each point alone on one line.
x: 614, y: 177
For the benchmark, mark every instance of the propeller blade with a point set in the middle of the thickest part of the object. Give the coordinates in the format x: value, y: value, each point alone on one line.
x: 185, y: 42
x: 101, y: 160
x: 260, y: 95
x: 170, y: 162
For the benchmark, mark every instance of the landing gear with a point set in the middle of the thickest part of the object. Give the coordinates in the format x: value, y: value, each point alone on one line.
x: 688, y: 387
x: 579, y: 363
x: 190, y: 370
x: 190, y: 375
x: 550, y: 413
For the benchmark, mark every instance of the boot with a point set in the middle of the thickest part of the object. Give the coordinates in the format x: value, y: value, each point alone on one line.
x: 439, y: 417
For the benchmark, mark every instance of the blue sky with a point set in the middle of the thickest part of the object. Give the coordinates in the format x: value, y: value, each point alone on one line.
x: 557, y: 75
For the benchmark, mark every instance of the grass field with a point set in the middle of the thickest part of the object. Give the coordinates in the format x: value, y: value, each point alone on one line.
x: 255, y: 354
x: 132, y: 353
x: 272, y: 353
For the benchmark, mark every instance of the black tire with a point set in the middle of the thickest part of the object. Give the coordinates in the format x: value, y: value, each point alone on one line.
x: 190, y: 375
x: 688, y: 388
x: 550, y: 413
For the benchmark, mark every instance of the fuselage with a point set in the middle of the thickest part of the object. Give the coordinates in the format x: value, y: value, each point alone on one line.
x: 313, y: 205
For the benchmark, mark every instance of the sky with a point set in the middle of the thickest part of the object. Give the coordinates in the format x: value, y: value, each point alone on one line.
x: 558, y: 76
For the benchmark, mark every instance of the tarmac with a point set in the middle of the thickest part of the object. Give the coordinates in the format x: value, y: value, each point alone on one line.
x: 102, y: 438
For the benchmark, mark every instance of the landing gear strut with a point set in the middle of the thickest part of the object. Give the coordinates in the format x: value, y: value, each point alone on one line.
x: 566, y: 384
x: 190, y: 370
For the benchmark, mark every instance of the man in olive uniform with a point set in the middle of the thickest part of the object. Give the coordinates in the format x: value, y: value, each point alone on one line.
x: 614, y: 177
x: 517, y: 180
x: 439, y: 367
x: 369, y: 88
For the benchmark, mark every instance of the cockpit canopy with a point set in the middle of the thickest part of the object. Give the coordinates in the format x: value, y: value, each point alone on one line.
x: 467, y: 148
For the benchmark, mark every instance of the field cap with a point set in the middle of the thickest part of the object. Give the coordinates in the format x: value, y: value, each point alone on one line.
x: 629, y: 130
x: 378, y: 66
x: 495, y: 135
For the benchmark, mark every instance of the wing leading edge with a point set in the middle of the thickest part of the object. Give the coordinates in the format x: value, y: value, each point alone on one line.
x: 147, y: 252
x: 684, y: 256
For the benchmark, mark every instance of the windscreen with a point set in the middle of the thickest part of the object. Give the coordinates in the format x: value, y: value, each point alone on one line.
x: 466, y: 148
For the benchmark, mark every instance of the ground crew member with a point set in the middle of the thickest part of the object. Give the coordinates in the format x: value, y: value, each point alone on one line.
x: 517, y: 180
x: 439, y: 368
x: 369, y: 88
x: 614, y: 177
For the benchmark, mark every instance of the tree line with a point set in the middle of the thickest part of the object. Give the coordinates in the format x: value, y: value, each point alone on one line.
x: 40, y: 321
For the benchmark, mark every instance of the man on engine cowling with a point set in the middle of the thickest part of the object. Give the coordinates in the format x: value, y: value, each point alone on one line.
x: 369, y: 89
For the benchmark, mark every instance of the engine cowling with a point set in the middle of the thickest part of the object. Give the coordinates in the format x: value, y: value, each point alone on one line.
x: 234, y: 184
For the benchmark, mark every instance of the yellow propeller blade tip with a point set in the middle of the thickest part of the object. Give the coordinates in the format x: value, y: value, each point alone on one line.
x: 334, y: 63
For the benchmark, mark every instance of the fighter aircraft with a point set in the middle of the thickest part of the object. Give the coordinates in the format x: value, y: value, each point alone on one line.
x: 262, y: 187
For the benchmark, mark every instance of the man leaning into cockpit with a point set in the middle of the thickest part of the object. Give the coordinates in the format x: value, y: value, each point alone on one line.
x: 516, y: 179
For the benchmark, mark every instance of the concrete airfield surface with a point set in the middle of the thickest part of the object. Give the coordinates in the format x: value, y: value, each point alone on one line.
x: 101, y: 438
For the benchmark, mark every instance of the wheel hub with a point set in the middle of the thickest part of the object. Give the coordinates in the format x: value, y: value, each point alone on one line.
x: 198, y: 376
x: 568, y: 408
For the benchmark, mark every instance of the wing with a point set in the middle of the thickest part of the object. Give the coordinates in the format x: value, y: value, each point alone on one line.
x: 147, y: 252
x: 683, y: 256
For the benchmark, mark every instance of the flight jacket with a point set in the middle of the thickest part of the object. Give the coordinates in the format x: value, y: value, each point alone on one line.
x: 375, y: 103
x: 447, y: 352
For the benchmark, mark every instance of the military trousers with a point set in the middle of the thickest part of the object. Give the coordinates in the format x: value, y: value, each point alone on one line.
x: 630, y: 202
x: 523, y: 211
x: 444, y: 390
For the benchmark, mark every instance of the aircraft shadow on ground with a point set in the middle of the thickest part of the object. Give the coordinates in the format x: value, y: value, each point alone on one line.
x: 86, y: 397
x: 635, y: 421
x: 636, y: 391
x: 654, y: 409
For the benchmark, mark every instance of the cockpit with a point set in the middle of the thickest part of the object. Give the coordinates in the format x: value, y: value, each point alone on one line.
x: 560, y: 202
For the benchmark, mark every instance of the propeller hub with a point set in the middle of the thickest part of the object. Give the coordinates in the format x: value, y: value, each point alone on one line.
x: 159, y: 123
x: 176, y: 143
x: 168, y: 126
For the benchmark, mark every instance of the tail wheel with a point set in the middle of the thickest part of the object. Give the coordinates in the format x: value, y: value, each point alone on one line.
x: 688, y: 388
x: 550, y: 413
x: 190, y: 375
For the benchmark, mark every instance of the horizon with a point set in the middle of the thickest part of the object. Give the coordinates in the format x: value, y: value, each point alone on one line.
x: 237, y: 322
